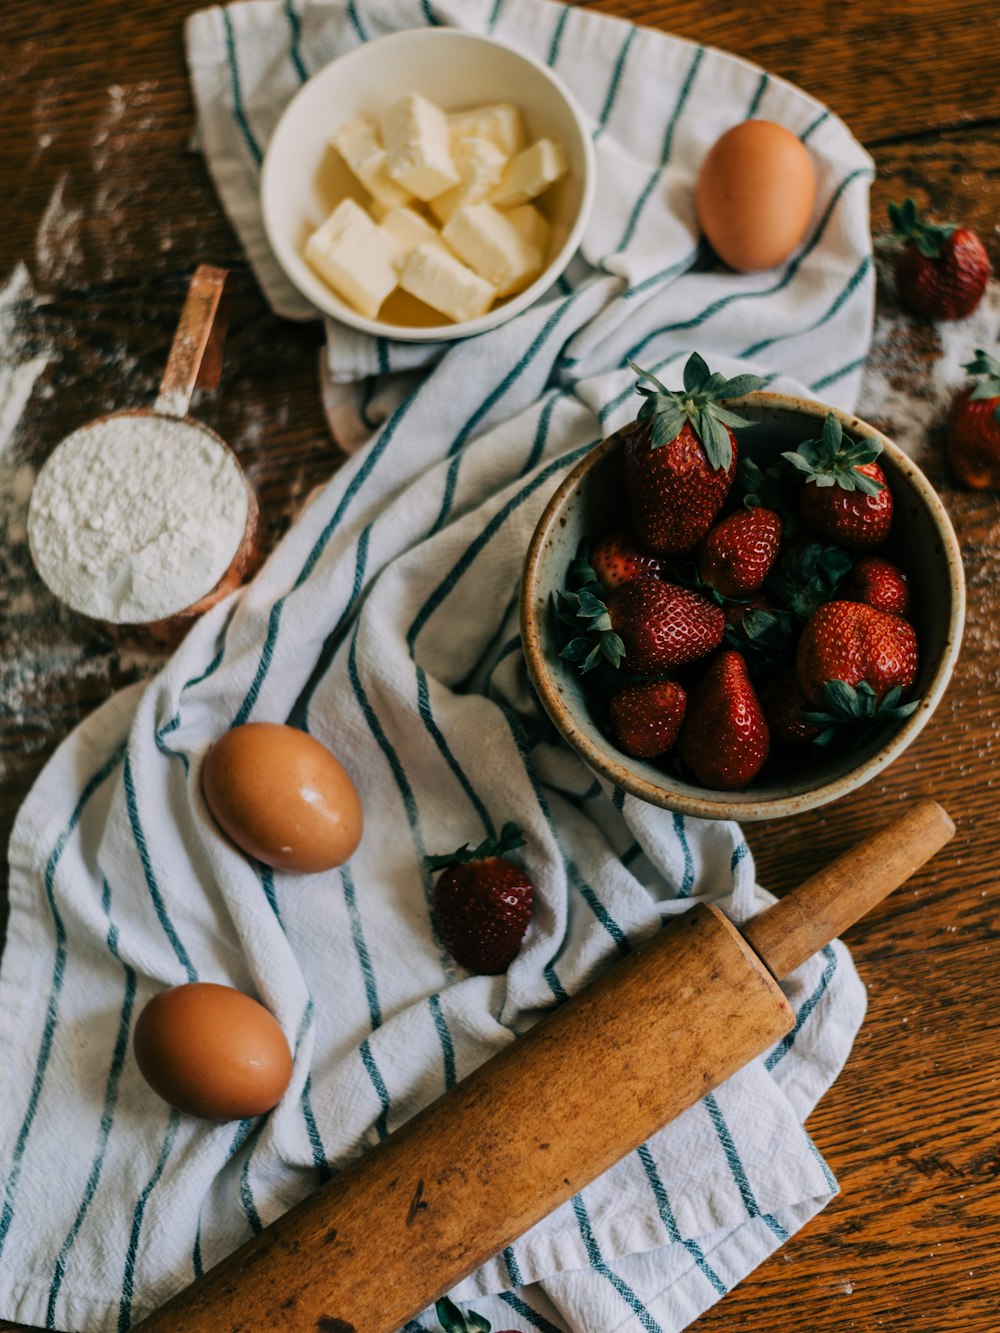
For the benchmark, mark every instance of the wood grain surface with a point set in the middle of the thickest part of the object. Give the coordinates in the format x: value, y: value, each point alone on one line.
x: 110, y: 211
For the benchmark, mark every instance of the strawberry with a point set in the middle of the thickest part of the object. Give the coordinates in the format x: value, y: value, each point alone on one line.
x: 452, y: 1319
x: 877, y: 583
x: 646, y: 717
x: 853, y: 643
x: 974, y: 427
x: 680, y: 456
x: 735, y: 556
x: 663, y: 625
x: 616, y: 558
x: 846, y: 496
x: 482, y: 902
x: 724, y: 738
x: 942, y: 269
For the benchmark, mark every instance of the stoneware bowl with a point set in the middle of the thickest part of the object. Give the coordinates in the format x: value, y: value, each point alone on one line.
x: 303, y: 177
x: 922, y: 539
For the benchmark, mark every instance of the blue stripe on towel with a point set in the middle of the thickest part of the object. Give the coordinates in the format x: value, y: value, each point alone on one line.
x: 665, y: 152
x: 680, y: 831
x: 521, y: 1307
x: 735, y: 1163
x: 372, y: 457
x: 119, y: 1053
x: 784, y: 1046
x: 295, y: 24
x: 159, y: 905
x: 669, y: 1221
x: 597, y: 1263
x: 616, y: 78
x: 848, y: 290
x: 138, y: 1213
x: 234, y: 79
x: 55, y: 992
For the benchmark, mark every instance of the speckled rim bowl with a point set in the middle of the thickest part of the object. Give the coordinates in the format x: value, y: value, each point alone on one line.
x: 303, y: 178
x: 921, y: 529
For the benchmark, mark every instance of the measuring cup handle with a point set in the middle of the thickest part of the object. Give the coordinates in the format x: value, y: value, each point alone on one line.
x: 195, y: 359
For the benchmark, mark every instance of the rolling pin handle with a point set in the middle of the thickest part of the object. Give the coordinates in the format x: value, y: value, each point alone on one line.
x: 822, y: 908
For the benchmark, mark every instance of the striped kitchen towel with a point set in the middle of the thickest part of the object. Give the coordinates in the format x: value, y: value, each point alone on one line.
x: 385, y: 623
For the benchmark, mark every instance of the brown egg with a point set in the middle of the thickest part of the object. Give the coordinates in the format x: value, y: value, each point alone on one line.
x: 283, y: 797
x: 212, y: 1051
x: 755, y: 195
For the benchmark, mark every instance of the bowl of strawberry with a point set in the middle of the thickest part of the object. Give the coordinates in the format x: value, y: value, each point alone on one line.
x: 742, y: 605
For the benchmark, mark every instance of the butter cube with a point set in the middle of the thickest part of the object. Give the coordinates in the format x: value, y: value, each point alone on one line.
x: 480, y: 165
x: 441, y: 281
x: 355, y: 257
x: 359, y: 144
x: 418, y: 147
x: 408, y: 228
x: 531, y: 172
x: 493, y: 247
x: 501, y: 122
x: 533, y: 225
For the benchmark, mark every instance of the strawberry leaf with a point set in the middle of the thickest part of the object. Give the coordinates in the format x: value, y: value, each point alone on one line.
x: 715, y: 439
x: 929, y: 237
x: 696, y: 373
x: 452, y: 1320
x: 698, y: 403
x: 834, y: 459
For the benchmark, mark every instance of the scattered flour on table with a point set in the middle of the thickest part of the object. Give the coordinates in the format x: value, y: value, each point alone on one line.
x: 134, y: 518
x: 905, y: 392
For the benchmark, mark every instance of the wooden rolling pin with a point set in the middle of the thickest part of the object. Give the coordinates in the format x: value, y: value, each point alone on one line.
x: 590, y: 1082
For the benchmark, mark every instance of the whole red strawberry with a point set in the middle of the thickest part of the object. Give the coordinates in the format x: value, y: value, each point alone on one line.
x: 482, y: 903
x: 974, y: 427
x: 735, y: 556
x: 452, y: 1319
x: 724, y: 739
x: 846, y: 496
x: 662, y: 625
x: 855, y: 644
x: 680, y: 456
x: 878, y: 583
x: 942, y: 269
x: 646, y: 717
x: 617, y: 558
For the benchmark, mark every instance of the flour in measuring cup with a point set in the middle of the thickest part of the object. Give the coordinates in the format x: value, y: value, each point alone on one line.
x: 135, y: 517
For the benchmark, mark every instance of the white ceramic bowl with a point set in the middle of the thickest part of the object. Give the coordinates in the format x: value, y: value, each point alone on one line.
x: 303, y: 178
x: 922, y: 540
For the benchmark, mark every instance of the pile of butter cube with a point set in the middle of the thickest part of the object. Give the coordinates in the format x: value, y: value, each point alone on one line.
x: 450, y: 218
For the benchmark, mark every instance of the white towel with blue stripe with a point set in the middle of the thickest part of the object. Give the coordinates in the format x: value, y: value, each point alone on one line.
x: 386, y: 624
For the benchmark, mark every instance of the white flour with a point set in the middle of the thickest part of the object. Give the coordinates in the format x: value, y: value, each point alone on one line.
x: 915, y: 368
x: 136, y: 517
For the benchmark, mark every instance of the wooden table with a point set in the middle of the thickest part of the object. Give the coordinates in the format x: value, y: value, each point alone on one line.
x: 110, y: 211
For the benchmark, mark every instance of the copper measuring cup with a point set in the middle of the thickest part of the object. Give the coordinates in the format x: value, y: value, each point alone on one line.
x: 195, y: 361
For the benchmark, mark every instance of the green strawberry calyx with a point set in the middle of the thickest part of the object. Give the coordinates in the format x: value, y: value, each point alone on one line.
x: 989, y: 388
x: 510, y: 837
x: 452, y: 1320
x: 846, y: 704
x: 930, y: 238
x: 807, y: 576
x: 582, y: 606
x: 698, y: 403
x: 834, y: 459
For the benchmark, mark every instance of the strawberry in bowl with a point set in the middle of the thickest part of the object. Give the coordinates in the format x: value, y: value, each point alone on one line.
x: 812, y: 508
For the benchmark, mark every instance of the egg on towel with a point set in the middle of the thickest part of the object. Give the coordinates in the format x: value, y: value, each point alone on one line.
x: 211, y: 1051
x: 283, y: 797
x: 755, y: 194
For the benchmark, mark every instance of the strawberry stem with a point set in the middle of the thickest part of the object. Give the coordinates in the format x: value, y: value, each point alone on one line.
x: 834, y: 459
x: 510, y: 837
x: 929, y: 237
x: 698, y: 403
x: 851, y: 704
